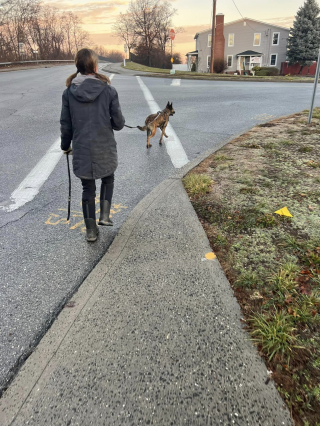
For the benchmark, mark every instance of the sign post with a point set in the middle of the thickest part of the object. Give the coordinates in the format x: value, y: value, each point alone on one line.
x: 172, y: 37
x: 21, y: 50
x: 316, y: 79
x: 36, y: 53
x: 125, y: 54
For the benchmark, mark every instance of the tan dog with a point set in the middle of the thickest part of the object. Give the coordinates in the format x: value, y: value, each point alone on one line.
x: 153, y: 121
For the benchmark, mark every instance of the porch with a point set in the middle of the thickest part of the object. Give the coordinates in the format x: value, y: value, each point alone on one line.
x: 192, y: 57
x: 247, y: 60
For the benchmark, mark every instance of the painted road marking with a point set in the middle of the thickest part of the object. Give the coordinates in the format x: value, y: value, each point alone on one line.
x: 176, y: 82
x: 174, y: 147
x: 55, y: 219
x: 31, y: 185
x: 111, y: 77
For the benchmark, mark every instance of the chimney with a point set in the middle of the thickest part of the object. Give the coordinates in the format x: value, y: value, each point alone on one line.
x: 219, y: 41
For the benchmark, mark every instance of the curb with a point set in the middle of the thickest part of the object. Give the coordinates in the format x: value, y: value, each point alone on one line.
x: 22, y: 385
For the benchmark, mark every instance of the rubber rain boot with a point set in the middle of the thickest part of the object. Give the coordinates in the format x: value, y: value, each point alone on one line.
x: 89, y: 214
x: 105, y: 204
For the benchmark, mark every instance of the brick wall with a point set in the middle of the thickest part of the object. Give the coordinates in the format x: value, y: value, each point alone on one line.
x: 219, y: 40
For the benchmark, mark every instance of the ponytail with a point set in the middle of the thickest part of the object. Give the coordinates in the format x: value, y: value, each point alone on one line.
x: 102, y: 77
x: 69, y: 79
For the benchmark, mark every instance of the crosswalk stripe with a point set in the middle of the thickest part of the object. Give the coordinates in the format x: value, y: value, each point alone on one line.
x: 173, y: 145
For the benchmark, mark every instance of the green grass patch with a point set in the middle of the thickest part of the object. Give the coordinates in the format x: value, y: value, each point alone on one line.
x: 305, y: 149
x: 222, y: 158
x: 197, y: 184
x: 286, y: 142
x: 275, y: 334
x: 251, y: 145
x: 248, y: 190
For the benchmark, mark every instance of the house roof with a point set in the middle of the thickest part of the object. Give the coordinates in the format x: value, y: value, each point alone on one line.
x: 242, y: 20
x: 249, y: 53
x: 194, y: 53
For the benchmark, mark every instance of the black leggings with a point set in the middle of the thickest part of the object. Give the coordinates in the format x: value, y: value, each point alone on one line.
x: 89, y: 189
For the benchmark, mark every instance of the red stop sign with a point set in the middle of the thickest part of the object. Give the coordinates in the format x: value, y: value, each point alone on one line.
x: 172, y: 34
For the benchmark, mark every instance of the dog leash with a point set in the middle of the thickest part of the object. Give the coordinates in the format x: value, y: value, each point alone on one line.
x: 69, y: 198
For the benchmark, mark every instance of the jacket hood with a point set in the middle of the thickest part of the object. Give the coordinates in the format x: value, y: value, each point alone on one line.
x: 88, y: 89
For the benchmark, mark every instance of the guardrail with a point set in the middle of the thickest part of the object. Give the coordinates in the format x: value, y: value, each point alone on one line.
x: 36, y: 62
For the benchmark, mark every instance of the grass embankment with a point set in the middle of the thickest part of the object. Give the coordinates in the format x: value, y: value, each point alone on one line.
x: 271, y: 261
x: 206, y: 76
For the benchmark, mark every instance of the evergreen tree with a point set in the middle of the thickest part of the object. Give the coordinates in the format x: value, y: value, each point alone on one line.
x: 304, y: 39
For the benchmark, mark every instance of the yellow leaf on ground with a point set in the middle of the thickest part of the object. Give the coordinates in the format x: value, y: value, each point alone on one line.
x: 210, y: 256
x: 284, y: 212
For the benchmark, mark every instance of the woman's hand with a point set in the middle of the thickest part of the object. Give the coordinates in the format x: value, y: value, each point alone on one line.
x: 68, y: 152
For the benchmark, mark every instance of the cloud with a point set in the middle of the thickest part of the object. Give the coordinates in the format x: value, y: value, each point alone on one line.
x: 286, y: 21
x: 90, y: 12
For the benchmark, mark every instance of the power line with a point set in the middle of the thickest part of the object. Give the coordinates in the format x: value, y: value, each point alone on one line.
x: 242, y: 15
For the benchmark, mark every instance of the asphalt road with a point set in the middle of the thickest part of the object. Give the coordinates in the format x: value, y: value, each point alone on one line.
x: 44, y: 260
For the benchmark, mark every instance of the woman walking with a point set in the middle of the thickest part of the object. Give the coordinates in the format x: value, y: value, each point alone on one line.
x: 90, y: 113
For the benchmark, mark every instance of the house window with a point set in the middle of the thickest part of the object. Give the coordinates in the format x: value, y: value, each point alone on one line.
x: 231, y: 40
x: 275, y: 39
x: 257, y: 39
x: 230, y: 60
x: 208, y: 62
x: 209, y: 40
x: 273, y: 60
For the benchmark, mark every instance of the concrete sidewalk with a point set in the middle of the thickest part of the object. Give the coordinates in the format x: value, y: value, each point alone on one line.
x: 153, y: 336
x: 117, y: 68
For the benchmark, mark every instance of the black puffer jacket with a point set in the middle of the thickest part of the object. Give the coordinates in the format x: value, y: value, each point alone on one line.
x: 90, y: 113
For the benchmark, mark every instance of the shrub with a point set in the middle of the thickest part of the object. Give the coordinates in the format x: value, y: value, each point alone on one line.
x: 266, y: 71
x: 220, y: 65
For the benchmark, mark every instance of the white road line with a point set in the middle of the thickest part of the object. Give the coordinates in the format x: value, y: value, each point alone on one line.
x: 31, y: 185
x: 176, y: 82
x: 111, y: 77
x: 174, y: 147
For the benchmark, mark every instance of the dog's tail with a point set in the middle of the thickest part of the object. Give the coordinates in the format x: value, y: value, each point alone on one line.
x: 143, y: 129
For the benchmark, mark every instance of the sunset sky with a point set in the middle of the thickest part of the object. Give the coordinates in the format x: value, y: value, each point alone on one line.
x: 194, y: 15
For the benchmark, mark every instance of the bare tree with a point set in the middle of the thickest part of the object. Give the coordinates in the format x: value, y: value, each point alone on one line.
x: 163, y: 23
x: 145, y: 26
x: 125, y: 30
x: 143, y: 13
x: 54, y: 34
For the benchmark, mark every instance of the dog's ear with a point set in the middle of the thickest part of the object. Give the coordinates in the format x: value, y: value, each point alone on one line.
x: 168, y: 104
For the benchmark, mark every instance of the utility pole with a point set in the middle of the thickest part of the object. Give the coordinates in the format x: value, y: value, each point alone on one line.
x: 316, y: 79
x: 213, y: 37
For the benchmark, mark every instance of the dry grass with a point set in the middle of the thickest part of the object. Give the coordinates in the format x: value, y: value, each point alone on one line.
x: 272, y: 261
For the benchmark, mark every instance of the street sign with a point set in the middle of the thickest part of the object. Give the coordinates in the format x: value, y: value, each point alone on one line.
x: 172, y: 60
x: 21, y: 47
x: 172, y: 34
x: 35, y: 51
